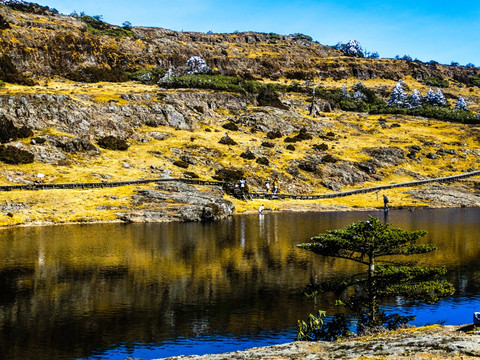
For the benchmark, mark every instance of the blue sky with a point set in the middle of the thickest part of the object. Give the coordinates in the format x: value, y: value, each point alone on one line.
x: 440, y: 30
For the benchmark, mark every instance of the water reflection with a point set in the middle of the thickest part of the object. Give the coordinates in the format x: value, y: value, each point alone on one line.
x: 73, y: 291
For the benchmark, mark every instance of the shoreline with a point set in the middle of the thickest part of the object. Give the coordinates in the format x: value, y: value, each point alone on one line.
x: 427, y: 342
x: 252, y: 211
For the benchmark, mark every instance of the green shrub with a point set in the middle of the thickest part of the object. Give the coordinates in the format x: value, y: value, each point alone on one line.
x: 304, y: 37
x: 94, y: 74
x: 474, y: 80
x: 96, y: 26
x: 220, y: 83
x: 314, y: 329
x: 14, y: 156
x: 113, y: 143
x: 434, y: 112
x: 437, y: 82
x: 274, y: 37
x: 150, y: 76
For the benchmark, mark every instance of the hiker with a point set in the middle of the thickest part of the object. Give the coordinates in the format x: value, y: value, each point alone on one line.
x: 385, y: 203
x: 260, y: 209
x: 275, y: 188
x: 267, y: 185
x: 242, y: 185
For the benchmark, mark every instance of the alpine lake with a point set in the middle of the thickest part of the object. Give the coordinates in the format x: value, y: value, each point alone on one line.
x: 149, y: 291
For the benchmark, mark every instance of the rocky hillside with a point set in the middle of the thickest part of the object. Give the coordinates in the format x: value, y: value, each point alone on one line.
x: 81, y: 103
x: 39, y: 42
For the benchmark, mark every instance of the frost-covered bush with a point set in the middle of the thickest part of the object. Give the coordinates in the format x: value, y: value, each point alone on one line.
x: 461, y: 104
x: 196, y: 65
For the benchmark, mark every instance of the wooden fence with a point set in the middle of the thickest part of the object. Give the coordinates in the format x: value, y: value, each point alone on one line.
x: 229, y: 185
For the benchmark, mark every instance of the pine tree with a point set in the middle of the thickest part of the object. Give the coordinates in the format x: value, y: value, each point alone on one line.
x: 440, y: 99
x: 399, y: 96
x: 359, y: 86
x: 344, y: 95
x: 352, y: 48
x: 369, y: 243
x: 430, y: 97
x: 359, y: 96
x: 415, y: 100
x: 461, y: 104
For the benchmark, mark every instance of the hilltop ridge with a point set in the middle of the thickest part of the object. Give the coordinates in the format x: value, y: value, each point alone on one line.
x: 44, y: 43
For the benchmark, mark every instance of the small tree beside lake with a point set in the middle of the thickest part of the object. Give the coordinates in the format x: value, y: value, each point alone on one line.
x: 382, y: 250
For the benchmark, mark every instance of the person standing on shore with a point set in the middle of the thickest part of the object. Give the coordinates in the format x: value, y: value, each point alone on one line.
x: 385, y: 203
x: 260, y: 209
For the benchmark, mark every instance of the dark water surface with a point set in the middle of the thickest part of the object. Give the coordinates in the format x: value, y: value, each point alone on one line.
x: 156, y: 290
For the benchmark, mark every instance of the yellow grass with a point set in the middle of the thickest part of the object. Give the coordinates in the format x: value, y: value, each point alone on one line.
x: 354, y: 133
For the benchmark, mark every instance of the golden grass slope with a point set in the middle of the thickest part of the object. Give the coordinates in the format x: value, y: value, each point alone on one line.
x: 153, y: 158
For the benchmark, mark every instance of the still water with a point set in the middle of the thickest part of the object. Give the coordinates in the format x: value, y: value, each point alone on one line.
x: 155, y: 290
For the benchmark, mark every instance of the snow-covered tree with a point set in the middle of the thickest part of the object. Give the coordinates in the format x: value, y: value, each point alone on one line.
x: 440, y: 99
x: 415, y: 100
x: 352, y: 48
x: 430, y: 97
x: 344, y: 95
x: 196, y: 65
x: 359, y: 86
x: 461, y: 104
x: 359, y: 96
x: 436, y: 99
x: 399, y: 96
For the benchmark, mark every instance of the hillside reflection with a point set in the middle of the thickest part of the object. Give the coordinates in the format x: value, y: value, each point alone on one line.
x: 66, y: 291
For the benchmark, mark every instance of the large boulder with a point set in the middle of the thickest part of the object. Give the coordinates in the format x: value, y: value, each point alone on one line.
x: 187, y: 203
